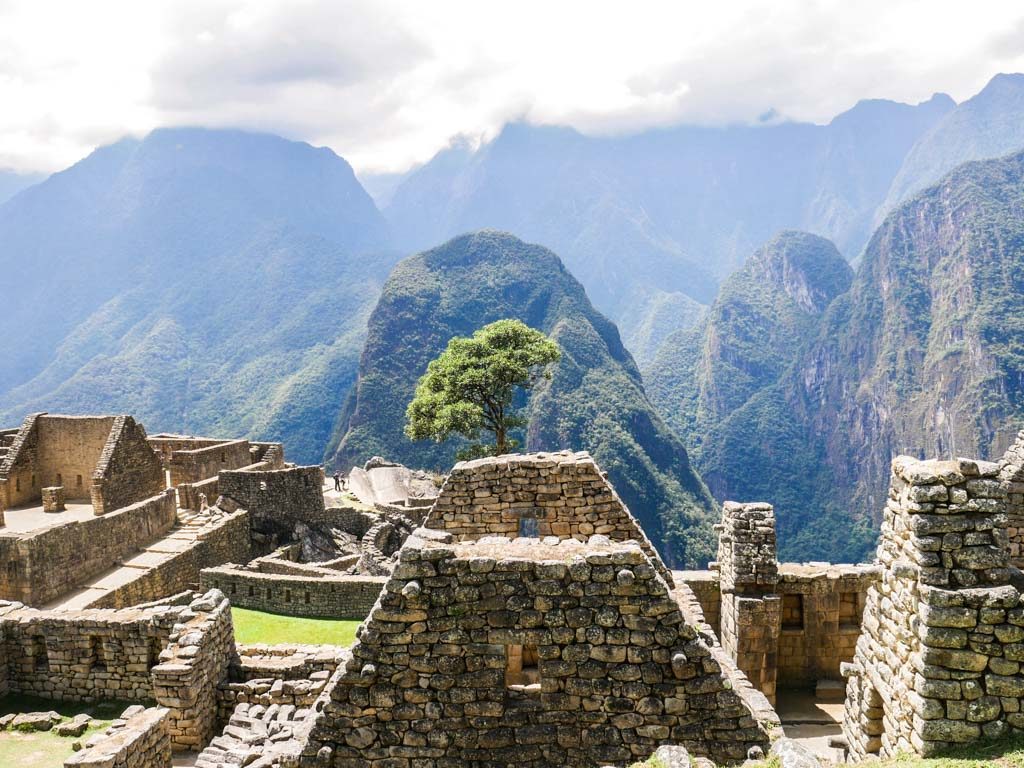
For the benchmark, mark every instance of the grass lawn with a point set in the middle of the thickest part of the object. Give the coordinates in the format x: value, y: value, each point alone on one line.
x: 272, y: 628
x: 45, y: 749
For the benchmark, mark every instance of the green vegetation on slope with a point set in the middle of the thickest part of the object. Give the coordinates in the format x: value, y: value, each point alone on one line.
x: 923, y: 355
x: 208, y: 281
x: 716, y: 383
x: 594, y: 400
x: 273, y: 628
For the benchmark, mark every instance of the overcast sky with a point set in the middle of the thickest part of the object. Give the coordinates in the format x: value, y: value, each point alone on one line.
x: 386, y: 83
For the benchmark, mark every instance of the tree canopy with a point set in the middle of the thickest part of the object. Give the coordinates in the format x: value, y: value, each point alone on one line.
x: 469, y: 388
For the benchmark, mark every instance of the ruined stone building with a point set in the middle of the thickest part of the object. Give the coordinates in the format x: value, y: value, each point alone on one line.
x: 522, y: 618
x: 530, y: 623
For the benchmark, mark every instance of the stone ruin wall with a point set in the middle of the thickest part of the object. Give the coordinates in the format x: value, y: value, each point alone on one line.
x: 43, y: 565
x: 786, y: 625
x: 620, y: 669
x: 103, y: 460
x: 83, y: 655
x: 128, y: 471
x: 939, y: 660
x: 227, y: 540
x: 751, y: 610
x: 335, y: 596
x: 1011, y: 475
x: 565, y: 493
x: 192, y: 667
x: 142, y: 741
x: 277, y: 499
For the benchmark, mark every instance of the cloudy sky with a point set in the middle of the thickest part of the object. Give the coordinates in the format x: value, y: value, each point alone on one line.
x: 386, y: 83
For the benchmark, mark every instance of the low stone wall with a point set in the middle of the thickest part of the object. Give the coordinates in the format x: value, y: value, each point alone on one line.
x: 41, y: 566
x: 284, y: 661
x: 338, y: 596
x: 142, y: 742
x: 192, y: 668
x: 270, y: 691
x: 84, y: 655
x: 225, y: 539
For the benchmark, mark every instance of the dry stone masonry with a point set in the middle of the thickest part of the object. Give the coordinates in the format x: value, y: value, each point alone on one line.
x: 561, y: 494
x: 939, y: 660
x: 619, y: 670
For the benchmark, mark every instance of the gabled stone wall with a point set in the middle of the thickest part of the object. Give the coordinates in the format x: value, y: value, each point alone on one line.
x: 620, y: 670
x: 562, y: 494
x: 939, y: 659
x: 128, y: 471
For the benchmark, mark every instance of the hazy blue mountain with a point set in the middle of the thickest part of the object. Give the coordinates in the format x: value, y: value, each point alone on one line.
x: 667, y: 211
x: 990, y: 124
x: 594, y: 401
x: 203, y: 280
x: 12, y: 182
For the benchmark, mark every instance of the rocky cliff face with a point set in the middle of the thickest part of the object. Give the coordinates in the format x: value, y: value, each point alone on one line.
x: 595, y: 400
x: 921, y: 356
x: 752, y: 333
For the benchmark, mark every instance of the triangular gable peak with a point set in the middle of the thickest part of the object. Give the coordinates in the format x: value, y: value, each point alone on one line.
x: 562, y: 494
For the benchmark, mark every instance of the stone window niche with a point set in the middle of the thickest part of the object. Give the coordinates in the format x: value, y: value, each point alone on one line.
x: 851, y: 605
x: 96, y: 654
x: 78, y: 481
x: 522, y: 672
x: 793, y: 613
x: 529, y: 523
x: 40, y: 658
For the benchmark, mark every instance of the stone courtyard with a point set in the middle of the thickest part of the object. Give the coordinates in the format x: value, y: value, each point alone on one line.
x: 513, y: 612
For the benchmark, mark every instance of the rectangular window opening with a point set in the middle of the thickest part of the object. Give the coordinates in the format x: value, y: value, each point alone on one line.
x: 287, y: 595
x: 522, y: 668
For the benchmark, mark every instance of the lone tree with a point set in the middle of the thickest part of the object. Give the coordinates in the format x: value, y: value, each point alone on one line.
x: 469, y: 387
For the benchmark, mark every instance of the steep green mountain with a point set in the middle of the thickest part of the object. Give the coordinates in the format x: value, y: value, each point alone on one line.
x: 594, y: 401
x: 990, y: 124
x: 11, y: 183
x: 666, y: 212
x: 751, y: 335
x: 923, y: 355
x: 206, y: 281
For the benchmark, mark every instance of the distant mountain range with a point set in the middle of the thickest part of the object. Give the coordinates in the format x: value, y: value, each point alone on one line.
x: 594, y: 401
x: 804, y: 403
x: 207, y: 281
x: 221, y: 281
x: 11, y: 183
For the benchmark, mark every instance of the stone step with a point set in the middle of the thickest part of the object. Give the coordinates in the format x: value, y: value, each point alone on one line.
x: 830, y: 690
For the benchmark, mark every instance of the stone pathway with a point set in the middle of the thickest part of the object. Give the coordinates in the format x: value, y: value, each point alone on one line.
x: 179, y: 539
x: 810, y: 721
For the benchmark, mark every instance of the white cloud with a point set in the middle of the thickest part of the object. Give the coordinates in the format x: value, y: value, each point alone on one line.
x: 385, y: 83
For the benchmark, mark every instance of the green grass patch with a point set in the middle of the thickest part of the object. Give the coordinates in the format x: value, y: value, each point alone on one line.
x: 272, y: 628
x: 1002, y: 753
x: 45, y: 749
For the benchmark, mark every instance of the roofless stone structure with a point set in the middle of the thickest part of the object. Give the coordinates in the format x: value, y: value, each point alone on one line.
x: 568, y: 649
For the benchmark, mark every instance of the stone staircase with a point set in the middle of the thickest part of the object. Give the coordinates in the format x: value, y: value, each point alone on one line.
x: 258, y: 737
